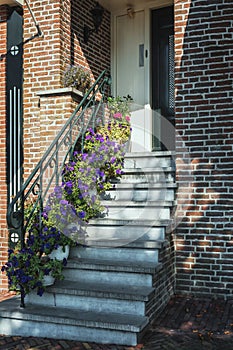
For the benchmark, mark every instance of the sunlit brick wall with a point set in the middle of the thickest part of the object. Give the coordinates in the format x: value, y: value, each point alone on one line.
x: 46, y: 59
x: 3, y: 188
x: 204, y: 120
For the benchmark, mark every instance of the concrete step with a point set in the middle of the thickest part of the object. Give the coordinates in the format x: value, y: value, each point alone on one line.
x: 147, y: 175
x: 115, y: 229
x: 113, y: 277
x: 132, y: 256
x: 123, y: 234
x: 96, y: 297
x: 102, y: 290
x: 139, y: 244
x: 67, y: 323
x: 148, y: 159
x: 107, y: 265
x: 137, y: 210
x: 140, y: 192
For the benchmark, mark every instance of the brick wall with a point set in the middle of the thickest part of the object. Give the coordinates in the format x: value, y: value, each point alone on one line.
x: 163, y: 279
x: 42, y: 60
x: 46, y: 59
x: 3, y: 189
x: 204, y: 120
x: 95, y: 55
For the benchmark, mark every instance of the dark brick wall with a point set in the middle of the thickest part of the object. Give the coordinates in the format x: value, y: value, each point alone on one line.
x: 204, y: 120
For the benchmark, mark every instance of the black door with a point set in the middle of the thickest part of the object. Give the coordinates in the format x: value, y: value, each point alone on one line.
x: 163, y: 78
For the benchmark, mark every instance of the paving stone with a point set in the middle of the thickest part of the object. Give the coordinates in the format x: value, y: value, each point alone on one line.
x: 187, y: 323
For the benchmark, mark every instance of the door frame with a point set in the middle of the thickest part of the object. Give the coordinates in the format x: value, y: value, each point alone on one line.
x: 146, y: 7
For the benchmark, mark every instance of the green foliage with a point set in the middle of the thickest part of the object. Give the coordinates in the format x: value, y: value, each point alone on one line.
x: 26, y: 269
x: 85, y: 177
x: 89, y: 174
x: 119, y: 105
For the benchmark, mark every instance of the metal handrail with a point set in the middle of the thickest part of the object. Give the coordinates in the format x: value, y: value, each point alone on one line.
x: 47, y: 173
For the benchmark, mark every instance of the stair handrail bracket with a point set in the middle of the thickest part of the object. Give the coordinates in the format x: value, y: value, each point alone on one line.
x: 48, y: 172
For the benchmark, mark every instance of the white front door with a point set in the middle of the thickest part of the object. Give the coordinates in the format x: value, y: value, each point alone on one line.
x: 130, y: 56
x: 130, y: 74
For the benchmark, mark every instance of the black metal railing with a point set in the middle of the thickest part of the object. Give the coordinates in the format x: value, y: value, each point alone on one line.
x: 48, y: 172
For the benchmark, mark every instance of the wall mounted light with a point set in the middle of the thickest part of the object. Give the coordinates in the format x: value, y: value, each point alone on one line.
x: 97, y: 17
x: 130, y: 12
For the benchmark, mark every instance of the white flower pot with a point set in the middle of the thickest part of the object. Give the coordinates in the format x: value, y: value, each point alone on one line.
x: 48, y: 280
x: 59, y: 254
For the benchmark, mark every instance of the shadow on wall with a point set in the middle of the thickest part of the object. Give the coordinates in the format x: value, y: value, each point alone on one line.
x: 204, y: 121
x: 95, y: 55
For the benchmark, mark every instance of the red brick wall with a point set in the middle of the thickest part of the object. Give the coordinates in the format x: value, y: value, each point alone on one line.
x: 42, y: 59
x: 204, y: 119
x: 3, y: 188
x: 46, y: 58
x: 94, y: 55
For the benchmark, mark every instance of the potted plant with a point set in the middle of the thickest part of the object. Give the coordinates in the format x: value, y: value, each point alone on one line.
x: 56, y: 217
x: 26, y: 269
x: 118, y: 127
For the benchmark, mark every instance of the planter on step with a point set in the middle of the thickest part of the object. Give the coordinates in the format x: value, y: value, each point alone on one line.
x: 48, y: 280
x: 60, y: 253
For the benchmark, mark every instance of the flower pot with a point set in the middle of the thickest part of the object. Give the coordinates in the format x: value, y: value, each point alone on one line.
x: 48, y: 280
x: 59, y: 254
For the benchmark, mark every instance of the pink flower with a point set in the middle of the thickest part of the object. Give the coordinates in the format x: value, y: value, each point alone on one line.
x: 117, y: 116
x: 127, y: 118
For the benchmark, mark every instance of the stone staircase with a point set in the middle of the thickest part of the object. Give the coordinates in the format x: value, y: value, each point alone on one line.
x: 115, y: 284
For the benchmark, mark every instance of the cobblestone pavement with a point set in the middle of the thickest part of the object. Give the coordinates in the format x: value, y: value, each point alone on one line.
x: 187, y: 323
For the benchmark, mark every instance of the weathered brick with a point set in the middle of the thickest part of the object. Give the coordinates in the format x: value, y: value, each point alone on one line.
x: 206, y: 92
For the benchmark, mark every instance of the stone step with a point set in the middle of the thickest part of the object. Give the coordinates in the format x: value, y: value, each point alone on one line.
x: 134, y: 256
x: 132, y: 223
x: 140, y: 192
x: 156, y: 154
x: 107, y: 265
x: 146, y: 175
x: 148, y: 159
x: 113, y: 229
x: 67, y: 323
x: 101, y: 290
x: 139, y: 244
x: 96, y: 297
x: 137, y: 210
x: 113, y: 277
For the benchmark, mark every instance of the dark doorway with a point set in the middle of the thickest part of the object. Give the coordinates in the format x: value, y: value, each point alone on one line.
x: 163, y: 96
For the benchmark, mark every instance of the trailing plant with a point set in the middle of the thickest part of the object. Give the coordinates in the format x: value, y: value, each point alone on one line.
x: 87, y: 175
x: 118, y: 126
x: 26, y: 269
x: 57, y: 216
x: 115, y: 130
x: 120, y: 105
